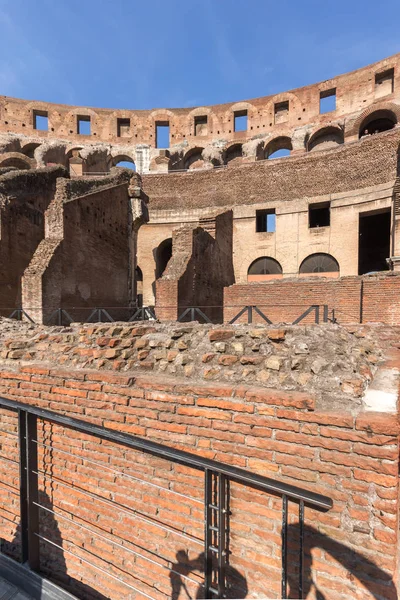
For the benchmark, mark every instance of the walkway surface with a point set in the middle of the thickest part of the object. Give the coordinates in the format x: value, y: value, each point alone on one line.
x: 10, y: 592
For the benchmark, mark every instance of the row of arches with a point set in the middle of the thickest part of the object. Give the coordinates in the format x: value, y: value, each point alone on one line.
x: 282, y: 146
x: 267, y: 267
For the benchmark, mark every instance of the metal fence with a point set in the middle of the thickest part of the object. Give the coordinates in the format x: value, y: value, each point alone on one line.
x: 218, y: 478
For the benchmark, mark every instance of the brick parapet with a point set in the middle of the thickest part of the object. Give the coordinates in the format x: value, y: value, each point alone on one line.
x: 351, y: 458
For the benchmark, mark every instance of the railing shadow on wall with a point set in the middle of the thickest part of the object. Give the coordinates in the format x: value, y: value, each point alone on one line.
x: 104, y: 512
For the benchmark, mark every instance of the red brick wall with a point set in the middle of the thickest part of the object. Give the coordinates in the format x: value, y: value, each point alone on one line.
x: 354, y: 460
x: 374, y: 299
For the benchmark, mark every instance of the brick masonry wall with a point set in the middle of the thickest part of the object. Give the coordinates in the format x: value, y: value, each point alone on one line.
x: 350, y: 551
x: 374, y: 299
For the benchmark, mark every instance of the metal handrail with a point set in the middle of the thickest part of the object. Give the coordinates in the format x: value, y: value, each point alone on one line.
x: 181, y: 456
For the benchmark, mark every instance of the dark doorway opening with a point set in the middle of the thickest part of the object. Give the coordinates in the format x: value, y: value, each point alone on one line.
x: 164, y: 253
x: 374, y: 242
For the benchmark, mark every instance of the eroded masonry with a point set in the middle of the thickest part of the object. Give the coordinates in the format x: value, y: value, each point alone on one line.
x: 251, y: 451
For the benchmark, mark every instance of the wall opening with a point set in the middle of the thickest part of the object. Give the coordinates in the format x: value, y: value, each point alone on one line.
x: 384, y: 83
x: 377, y: 122
x: 83, y: 125
x: 126, y: 164
x: 139, y: 286
x: 328, y: 137
x: 123, y: 127
x: 201, y: 125
x: 240, y: 120
x: 374, y: 241
x: 318, y: 263
x: 163, y: 255
x: 278, y: 148
x: 265, y: 221
x: 327, y: 101
x: 194, y: 159
x: 162, y: 134
x: 264, y: 269
x: 235, y: 151
x: 40, y: 120
x: 319, y: 215
x: 281, y: 112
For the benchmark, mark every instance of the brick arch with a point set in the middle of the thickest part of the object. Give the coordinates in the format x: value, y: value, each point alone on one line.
x: 279, y: 142
x: 17, y: 160
x: 193, y: 155
x: 354, y: 128
x: 329, y: 130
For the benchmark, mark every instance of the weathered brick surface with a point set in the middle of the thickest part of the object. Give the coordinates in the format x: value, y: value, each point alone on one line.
x: 372, y: 299
x: 353, y: 459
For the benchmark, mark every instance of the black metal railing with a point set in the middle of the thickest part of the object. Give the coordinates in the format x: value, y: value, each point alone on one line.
x: 218, y: 478
x: 314, y: 308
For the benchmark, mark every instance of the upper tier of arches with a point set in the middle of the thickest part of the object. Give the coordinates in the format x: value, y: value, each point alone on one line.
x: 332, y: 105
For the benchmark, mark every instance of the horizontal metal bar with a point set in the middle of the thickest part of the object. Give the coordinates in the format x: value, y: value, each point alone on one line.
x: 107, y: 539
x: 41, y: 537
x: 115, y: 471
x: 180, y: 456
x: 130, y: 511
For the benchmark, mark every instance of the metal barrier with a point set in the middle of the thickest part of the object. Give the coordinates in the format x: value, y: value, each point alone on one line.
x: 217, y: 478
x: 313, y: 308
x: 193, y: 311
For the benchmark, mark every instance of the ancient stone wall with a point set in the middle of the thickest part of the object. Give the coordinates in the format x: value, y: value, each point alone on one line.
x: 24, y: 199
x: 351, y: 551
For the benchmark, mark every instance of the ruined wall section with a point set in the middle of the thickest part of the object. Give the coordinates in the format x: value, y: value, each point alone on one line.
x: 24, y: 199
x: 91, y: 230
x: 355, y: 91
x: 372, y: 161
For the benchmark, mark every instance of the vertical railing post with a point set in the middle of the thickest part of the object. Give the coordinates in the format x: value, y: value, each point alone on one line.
x: 284, y: 546
x: 29, y: 493
x: 325, y: 317
x: 250, y: 314
x: 317, y: 314
x: 208, y: 538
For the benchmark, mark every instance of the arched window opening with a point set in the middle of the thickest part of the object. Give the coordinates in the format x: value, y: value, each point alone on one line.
x: 163, y: 255
x: 235, y: 151
x: 279, y: 148
x: 17, y: 163
x: 126, y: 164
x: 329, y: 137
x: 319, y: 264
x: 194, y: 159
x: 29, y: 149
x: 377, y: 122
x: 263, y: 269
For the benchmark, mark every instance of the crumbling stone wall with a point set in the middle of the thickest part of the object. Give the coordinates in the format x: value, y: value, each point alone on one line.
x: 200, y: 266
x: 24, y: 198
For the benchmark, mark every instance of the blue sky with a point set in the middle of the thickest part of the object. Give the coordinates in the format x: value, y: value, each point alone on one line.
x: 181, y: 53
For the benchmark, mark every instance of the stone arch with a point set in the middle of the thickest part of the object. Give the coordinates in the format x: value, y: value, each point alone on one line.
x: 319, y: 264
x: 279, y: 143
x: 163, y: 254
x: 326, y: 137
x: 234, y: 152
x: 354, y: 126
x: 377, y: 121
x: 264, y: 268
x: 51, y: 153
x: 17, y: 160
x: 213, y: 123
x: 123, y: 158
x: 29, y: 149
x: 193, y: 159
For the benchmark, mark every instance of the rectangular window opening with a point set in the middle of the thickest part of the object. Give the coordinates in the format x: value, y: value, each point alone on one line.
x: 384, y: 83
x: 200, y: 125
x: 162, y: 134
x: 281, y: 110
x: 123, y: 127
x: 265, y: 221
x: 319, y: 215
x: 240, y: 120
x: 40, y: 120
x: 83, y: 125
x: 327, y: 101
